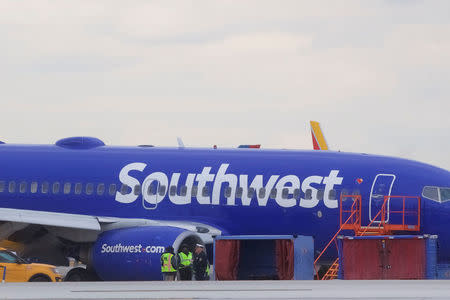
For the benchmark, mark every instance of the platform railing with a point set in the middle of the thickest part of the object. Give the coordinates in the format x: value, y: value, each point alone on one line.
x: 355, y: 211
x: 353, y: 222
x: 333, y: 239
x: 404, y: 212
x: 334, y: 268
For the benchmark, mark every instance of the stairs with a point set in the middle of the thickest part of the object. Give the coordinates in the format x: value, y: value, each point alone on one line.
x: 352, y: 222
x: 332, y: 272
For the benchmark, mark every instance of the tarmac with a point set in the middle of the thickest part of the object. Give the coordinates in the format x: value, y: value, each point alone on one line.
x: 334, y: 289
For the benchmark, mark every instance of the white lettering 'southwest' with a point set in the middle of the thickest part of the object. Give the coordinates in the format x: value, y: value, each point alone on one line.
x: 287, y: 188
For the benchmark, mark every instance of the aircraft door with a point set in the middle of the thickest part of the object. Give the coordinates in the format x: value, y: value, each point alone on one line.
x: 381, y: 186
x: 152, y: 193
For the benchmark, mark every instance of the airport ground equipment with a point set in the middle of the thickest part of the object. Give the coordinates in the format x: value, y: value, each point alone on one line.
x: 387, y: 257
x: 16, y: 269
x: 396, y: 214
x: 249, y: 257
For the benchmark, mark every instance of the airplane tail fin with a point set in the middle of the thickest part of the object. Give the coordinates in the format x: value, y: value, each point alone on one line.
x: 319, y: 142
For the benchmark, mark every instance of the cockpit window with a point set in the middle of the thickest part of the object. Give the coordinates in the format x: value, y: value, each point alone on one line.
x: 431, y: 192
x: 445, y: 194
x: 439, y: 194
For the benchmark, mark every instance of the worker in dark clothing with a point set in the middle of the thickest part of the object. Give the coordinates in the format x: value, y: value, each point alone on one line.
x: 169, y: 264
x: 185, y: 263
x: 201, y: 264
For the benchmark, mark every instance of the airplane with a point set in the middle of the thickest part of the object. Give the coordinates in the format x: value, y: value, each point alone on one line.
x: 116, y: 208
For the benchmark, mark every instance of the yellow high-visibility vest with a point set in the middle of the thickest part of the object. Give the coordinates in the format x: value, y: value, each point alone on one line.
x: 186, y: 260
x: 166, y: 259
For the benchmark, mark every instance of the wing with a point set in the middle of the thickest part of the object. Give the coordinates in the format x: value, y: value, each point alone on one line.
x: 49, y: 218
x: 84, y: 228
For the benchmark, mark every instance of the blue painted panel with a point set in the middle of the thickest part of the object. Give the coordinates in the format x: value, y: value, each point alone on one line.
x: 341, y: 257
x: 304, y: 258
x: 431, y: 257
x: 443, y: 271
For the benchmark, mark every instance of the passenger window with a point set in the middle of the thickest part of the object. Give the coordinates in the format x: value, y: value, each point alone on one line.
x: 262, y: 192
x: 67, y: 187
x: 34, y: 187
x: 55, y: 188
x: 173, y: 190
x: 23, y: 187
x: 445, y: 194
x: 239, y: 192
x: 78, y: 188
x: 12, y: 186
x: 89, y: 188
x: 2, y: 186
x: 101, y: 189
x: 152, y: 189
x: 194, y: 191
x: 320, y: 194
x: 205, y: 191
x: 273, y: 193
x: 431, y: 192
x: 162, y: 190
x: 112, y: 189
x: 297, y: 194
x: 137, y: 189
x: 44, y: 187
x: 124, y: 189
x: 308, y: 194
x: 250, y: 192
x: 332, y: 195
x: 183, y: 190
x: 285, y: 193
x: 227, y: 192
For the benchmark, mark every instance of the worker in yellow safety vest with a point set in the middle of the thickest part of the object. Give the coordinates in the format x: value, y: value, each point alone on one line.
x: 185, y: 263
x: 168, y: 264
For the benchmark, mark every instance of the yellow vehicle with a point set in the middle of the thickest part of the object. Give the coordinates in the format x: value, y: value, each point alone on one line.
x: 15, y: 269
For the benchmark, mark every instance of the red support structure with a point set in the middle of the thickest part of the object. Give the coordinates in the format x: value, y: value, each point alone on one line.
x: 352, y: 217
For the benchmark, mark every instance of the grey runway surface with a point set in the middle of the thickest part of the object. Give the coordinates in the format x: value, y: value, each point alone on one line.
x: 335, y: 289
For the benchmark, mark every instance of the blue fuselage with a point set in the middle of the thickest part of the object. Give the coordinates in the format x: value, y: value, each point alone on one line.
x: 239, y: 191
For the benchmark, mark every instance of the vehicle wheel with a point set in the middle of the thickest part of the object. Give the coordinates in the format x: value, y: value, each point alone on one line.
x: 77, y: 274
x: 40, y: 278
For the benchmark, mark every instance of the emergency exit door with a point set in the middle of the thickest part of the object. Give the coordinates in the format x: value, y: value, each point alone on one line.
x: 381, y: 187
x: 151, y: 193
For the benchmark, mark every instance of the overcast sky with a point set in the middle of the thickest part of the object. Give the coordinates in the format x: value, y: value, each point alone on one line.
x: 376, y: 74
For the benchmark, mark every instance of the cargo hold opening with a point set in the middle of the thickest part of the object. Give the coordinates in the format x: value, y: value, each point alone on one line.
x: 263, y: 258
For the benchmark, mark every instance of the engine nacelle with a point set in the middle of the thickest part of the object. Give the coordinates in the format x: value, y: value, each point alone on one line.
x: 134, y: 253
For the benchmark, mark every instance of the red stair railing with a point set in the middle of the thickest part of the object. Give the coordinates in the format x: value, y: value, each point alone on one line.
x: 353, y: 222
x: 355, y: 216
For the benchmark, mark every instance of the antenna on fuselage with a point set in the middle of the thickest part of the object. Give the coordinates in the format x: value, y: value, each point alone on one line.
x: 180, y: 142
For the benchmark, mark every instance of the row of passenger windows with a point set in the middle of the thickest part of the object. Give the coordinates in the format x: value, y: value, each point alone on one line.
x: 56, y: 188
x: 153, y: 189
x: 227, y: 191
